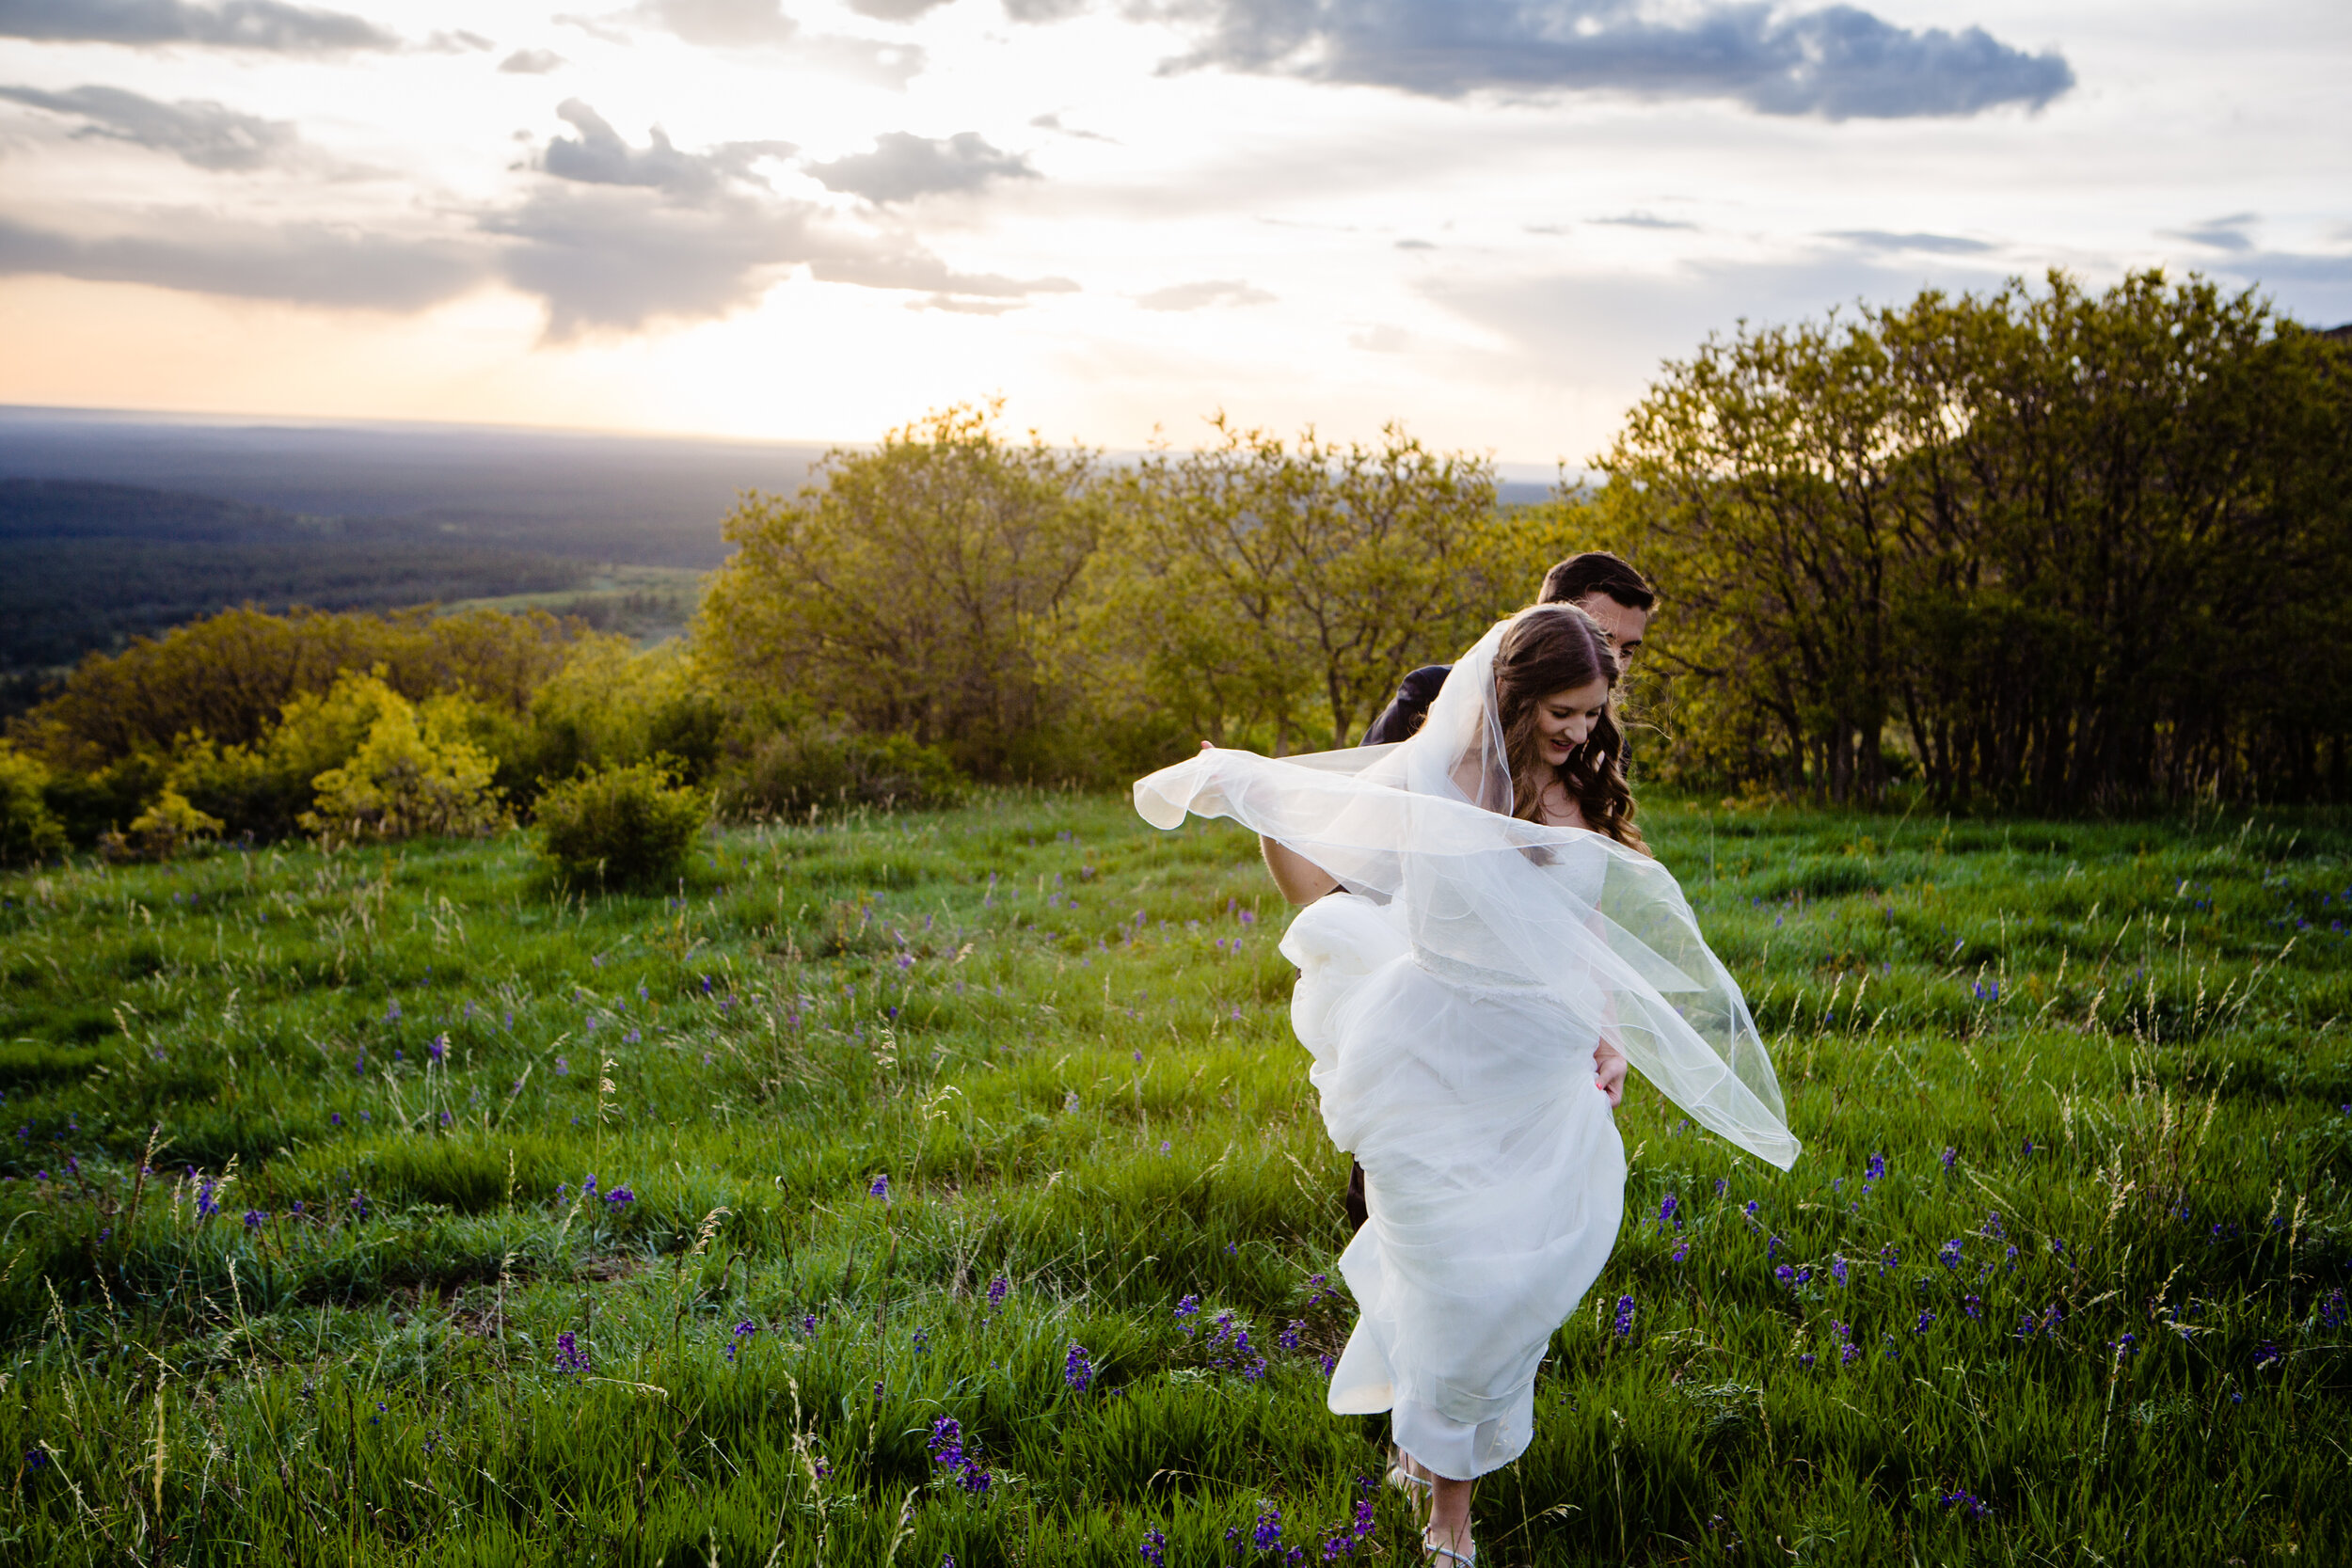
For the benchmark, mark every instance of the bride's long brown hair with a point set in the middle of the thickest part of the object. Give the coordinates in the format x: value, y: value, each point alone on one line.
x: 1549, y: 649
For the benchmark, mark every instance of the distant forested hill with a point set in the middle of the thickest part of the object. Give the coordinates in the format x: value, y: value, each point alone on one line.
x: 87, y: 567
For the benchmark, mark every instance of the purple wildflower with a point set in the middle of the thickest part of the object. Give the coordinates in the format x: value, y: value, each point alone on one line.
x: 1624, y: 1325
x: 439, y: 1050
x: 1154, y: 1548
x: 619, y: 1196
x: 562, y: 1067
x: 997, y: 1289
x: 1267, y: 1535
x: 1077, y: 1367
x: 253, y: 1218
x: 569, y: 1356
x: 1948, y: 1254
x: 1874, y: 1167
x: 1951, y: 1155
x: 880, y: 1189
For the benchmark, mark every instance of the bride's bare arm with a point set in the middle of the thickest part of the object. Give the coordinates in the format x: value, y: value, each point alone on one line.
x: 1302, y: 880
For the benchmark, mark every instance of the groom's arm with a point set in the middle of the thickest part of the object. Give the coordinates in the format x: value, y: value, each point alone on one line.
x: 1409, y: 708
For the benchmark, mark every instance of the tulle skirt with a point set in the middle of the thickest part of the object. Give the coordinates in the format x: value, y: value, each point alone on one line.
x: 1493, y: 1172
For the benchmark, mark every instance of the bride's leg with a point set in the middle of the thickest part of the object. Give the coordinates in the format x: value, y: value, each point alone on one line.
x: 1449, y: 1514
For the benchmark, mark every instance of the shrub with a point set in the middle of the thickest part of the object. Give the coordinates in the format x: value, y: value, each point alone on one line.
x: 230, y: 676
x: 813, y: 766
x: 611, y: 707
x: 414, y: 773
x: 28, y: 833
x: 622, y: 827
x: 162, y: 830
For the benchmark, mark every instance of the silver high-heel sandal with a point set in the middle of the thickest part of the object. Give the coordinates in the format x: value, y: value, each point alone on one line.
x: 1421, y: 1490
x: 1465, y: 1554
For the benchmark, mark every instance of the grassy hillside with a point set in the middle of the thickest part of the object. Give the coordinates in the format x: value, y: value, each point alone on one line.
x: 956, y: 1119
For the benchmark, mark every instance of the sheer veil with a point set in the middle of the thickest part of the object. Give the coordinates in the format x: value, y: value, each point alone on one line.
x: 1489, y: 900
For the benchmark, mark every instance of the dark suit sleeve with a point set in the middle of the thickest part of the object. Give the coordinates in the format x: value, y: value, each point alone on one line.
x: 1406, y: 713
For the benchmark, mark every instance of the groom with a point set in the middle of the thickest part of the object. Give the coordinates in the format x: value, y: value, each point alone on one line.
x: 1603, y: 586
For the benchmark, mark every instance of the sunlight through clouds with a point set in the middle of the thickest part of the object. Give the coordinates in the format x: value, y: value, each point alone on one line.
x: 811, y: 219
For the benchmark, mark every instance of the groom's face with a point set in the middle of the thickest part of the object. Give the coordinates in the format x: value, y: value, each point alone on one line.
x: 1621, y: 626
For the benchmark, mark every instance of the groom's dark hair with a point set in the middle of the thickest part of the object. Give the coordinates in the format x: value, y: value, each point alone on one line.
x: 1598, y: 572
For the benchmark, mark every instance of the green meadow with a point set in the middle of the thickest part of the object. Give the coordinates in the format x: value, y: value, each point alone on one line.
x: 397, y: 1205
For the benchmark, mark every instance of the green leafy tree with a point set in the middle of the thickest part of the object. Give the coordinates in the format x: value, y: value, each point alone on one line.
x: 915, y: 591
x: 2058, y: 549
x: 1264, y: 587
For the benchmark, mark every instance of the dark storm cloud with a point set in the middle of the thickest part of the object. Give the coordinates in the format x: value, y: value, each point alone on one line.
x: 903, y: 167
x: 600, y: 157
x: 207, y: 135
x: 1837, y: 62
x: 303, y: 263
x: 264, y: 24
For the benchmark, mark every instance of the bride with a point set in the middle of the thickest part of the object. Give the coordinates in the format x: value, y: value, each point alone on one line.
x: 1487, y: 946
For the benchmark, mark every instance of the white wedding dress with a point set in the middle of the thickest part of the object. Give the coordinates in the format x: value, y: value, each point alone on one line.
x: 1452, y: 997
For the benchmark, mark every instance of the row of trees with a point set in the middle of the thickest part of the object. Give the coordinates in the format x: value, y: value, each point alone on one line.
x: 2059, y: 549
x: 1038, y: 613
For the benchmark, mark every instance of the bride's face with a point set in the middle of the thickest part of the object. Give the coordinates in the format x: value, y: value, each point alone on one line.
x: 1564, y: 720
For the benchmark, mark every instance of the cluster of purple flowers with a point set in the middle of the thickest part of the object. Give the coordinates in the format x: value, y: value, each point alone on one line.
x: 1228, y: 1343
x: 1848, y: 1352
x: 1077, y: 1367
x: 2028, y: 1325
x: 1345, y: 1538
x: 1967, y: 1504
x: 569, y: 1355
x: 743, y: 1331
x: 880, y: 1189
x: 962, y: 1461
x: 998, y: 1289
x: 1624, y: 1323
x: 1152, y: 1548
x: 1265, y: 1536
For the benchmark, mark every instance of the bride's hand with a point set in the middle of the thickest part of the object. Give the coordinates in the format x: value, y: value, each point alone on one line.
x: 1608, y: 1069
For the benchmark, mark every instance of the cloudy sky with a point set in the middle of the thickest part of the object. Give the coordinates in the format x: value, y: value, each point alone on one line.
x: 1489, y: 219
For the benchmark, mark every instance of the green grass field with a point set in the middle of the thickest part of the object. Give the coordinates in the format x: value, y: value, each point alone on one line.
x: 2060, y: 1277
